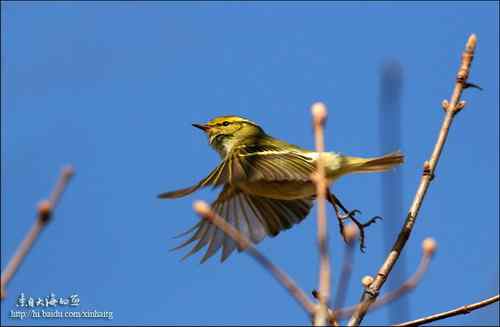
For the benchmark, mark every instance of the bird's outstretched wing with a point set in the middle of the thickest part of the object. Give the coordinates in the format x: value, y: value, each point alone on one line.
x: 254, y: 162
x: 268, y: 162
x: 254, y: 216
x: 217, y: 177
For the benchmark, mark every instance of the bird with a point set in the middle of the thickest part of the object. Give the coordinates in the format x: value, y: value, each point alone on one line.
x: 267, y: 184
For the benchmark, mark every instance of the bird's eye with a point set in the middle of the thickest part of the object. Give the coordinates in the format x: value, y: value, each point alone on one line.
x: 226, y: 123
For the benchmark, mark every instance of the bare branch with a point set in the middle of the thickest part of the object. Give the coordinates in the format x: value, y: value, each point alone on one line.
x: 204, y: 210
x: 44, y: 213
x: 351, y: 232
x: 371, y: 293
x: 319, y: 117
x: 429, y: 248
x: 66, y: 174
x: 411, y: 282
x: 455, y: 312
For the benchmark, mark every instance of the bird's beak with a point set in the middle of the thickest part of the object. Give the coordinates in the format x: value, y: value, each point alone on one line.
x: 204, y: 128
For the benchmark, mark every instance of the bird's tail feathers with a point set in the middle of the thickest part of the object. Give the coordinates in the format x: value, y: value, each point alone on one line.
x: 377, y: 164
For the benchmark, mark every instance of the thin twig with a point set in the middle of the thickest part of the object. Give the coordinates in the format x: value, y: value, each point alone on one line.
x: 351, y: 233
x: 371, y: 293
x: 319, y: 116
x: 203, y: 209
x: 408, y: 285
x: 455, y: 312
x: 429, y: 247
x: 66, y: 174
x: 44, y: 213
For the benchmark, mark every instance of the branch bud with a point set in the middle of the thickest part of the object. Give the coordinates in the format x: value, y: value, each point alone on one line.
x: 460, y: 105
x: 44, y: 211
x: 427, y: 170
x: 68, y: 170
x: 427, y: 166
x: 202, y: 208
x: 350, y: 233
x: 429, y: 246
x: 471, y: 42
x: 319, y: 113
x: 445, y: 104
x: 367, y: 281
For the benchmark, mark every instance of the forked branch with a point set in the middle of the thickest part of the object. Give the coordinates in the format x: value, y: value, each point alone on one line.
x: 451, y: 108
x: 428, y: 249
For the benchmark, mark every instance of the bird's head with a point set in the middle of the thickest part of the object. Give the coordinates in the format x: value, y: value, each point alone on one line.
x: 226, y: 131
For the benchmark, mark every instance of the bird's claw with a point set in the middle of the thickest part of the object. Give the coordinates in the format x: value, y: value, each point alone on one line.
x: 372, y: 221
x: 350, y: 215
x: 361, y: 226
x: 315, y: 294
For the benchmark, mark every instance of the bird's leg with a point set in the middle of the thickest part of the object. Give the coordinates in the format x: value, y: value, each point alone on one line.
x: 331, y: 198
x: 349, y: 215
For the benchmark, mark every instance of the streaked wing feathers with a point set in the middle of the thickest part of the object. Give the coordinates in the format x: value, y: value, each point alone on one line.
x: 255, y: 217
x: 269, y: 163
x: 254, y: 162
x: 216, y: 178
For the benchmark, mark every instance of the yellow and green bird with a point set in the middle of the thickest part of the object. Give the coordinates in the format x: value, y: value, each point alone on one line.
x: 267, y: 185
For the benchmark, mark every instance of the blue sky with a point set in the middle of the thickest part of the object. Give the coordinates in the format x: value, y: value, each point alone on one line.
x: 113, y: 87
